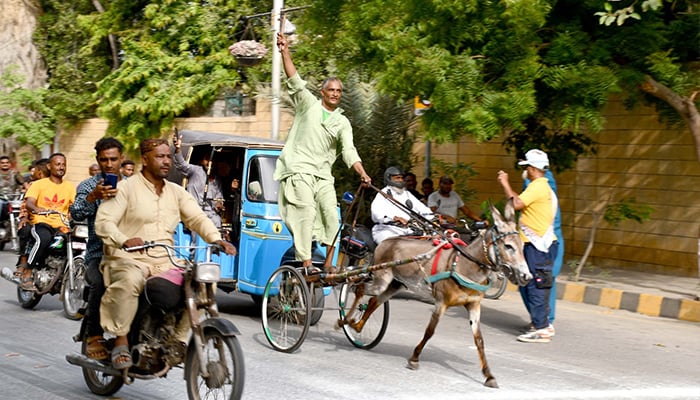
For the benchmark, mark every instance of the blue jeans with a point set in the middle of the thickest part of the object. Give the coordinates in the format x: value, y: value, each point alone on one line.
x: 537, y: 299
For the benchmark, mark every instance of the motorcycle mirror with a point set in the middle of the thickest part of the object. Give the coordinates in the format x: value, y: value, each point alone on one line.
x: 348, y: 198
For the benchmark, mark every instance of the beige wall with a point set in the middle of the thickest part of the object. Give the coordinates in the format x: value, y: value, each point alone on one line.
x: 637, y: 157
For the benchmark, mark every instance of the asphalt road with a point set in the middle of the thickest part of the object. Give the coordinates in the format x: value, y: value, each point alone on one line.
x: 597, y: 354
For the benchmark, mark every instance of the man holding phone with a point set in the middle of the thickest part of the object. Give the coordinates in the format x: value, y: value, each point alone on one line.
x: 90, y: 194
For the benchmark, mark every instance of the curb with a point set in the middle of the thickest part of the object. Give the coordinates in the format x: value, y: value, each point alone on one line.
x: 647, y: 304
x: 642, y: 303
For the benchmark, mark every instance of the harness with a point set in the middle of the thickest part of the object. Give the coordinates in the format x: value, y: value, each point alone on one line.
x: 457, y: 244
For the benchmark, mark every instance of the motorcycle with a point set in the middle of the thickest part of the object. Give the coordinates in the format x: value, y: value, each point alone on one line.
x: 213, y: 359
x: 63, y: 270
x: 9, y: 219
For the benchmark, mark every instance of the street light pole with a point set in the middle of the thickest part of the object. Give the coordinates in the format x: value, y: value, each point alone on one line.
x: 276, y: 63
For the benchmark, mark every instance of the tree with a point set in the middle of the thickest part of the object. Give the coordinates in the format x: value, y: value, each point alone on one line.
x: 25, y: 116
x: 172, y: 59
x: 534, y: 70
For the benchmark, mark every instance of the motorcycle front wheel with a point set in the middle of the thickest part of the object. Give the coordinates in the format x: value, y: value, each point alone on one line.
x: 224, y: 365
x: 72, y: 295
x: 27, y: 299
x: 98, y: 382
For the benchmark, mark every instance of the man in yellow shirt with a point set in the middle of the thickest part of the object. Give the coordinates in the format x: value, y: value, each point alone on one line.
x: 52, y: 193
x: 538, y: 204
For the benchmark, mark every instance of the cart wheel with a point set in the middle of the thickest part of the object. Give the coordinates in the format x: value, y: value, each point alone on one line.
x: 375, y: 327
x: 318, y: 302
x: 499, y: 282
x: 286, y: 309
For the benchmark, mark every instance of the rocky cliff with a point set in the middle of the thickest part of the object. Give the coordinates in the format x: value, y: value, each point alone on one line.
x: 18, y: 19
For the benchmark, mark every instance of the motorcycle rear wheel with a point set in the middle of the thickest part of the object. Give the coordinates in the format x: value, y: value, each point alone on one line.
x: 27, y: 299
x: 99, y: 383
x: 224, y: 363
x: 73, y: 297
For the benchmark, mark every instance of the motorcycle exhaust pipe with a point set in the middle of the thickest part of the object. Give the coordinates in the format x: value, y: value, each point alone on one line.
x: 8, y: 274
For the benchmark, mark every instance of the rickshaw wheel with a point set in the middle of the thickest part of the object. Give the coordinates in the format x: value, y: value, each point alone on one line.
x: 374, y: 329
x: 286, y: 309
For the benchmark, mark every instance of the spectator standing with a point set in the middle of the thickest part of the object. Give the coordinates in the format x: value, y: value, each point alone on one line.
x: 93, y: 169
x: 446, y: 203
x: 307, y: 198
x: 559, y: 260
x: 127, y: 168
x: 411, y: 184
x: 538, y: 205
x: 427, y: 187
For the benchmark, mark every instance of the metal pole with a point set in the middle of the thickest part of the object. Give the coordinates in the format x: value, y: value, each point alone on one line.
x: 276, y: 64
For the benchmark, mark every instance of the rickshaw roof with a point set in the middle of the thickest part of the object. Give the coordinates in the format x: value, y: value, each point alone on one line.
x: 195, y: 138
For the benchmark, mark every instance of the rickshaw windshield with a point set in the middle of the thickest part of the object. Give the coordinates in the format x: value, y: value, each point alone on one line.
x: 261, y: 186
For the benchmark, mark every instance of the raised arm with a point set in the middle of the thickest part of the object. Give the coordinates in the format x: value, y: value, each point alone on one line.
x: 289, y: 68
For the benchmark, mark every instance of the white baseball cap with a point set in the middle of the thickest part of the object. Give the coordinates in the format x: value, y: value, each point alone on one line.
x: 536, y: 158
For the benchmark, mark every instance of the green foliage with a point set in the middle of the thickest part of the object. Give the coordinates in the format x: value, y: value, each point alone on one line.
x: 627, y: 209
x: 25, y: 115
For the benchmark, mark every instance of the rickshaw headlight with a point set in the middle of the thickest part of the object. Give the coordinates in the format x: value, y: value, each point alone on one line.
x: 207, y: 272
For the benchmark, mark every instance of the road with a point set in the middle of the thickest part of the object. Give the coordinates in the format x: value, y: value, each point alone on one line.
x: 597, y: 354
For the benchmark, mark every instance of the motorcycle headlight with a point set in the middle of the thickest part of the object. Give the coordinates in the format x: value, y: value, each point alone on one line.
x: 207, y: 272
x: 81, y: 231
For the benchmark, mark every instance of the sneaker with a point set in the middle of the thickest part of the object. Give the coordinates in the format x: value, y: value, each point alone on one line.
x: 538, y: 336
x: 531, y: 328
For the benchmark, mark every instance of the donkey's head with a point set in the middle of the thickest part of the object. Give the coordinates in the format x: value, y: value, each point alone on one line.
x: 506, y: 250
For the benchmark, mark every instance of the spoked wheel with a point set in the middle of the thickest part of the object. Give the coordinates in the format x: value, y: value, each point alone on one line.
x: 27, y: 298
x: 499, y: 282
x: 355, y: 304
x: 98, y: 382
x: 318, y: 301
x: 224, y: 365
x: 73, y: 295
x: 286, y: 309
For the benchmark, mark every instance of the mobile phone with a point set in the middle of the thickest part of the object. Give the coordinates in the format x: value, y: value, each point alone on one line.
x: 110, y: 180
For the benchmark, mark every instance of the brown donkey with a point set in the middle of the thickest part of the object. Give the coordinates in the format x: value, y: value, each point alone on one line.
x: 456, y: 276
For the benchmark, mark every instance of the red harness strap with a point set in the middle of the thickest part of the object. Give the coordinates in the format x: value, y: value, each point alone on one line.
x: 445, y: 245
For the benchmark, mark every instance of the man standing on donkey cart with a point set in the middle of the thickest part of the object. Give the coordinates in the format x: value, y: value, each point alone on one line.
x: 307, y: 198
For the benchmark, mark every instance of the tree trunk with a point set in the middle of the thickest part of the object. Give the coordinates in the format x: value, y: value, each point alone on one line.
x: 111, y: 38
x: 685, y: 106
x: 589, y: 247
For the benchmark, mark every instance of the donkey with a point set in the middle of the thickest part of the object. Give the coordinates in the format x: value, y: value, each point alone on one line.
x: 456, y: 276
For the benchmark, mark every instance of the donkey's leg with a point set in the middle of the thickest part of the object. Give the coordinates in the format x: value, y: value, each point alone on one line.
x: 474, y: 310
x: 374, y: 303
x: 440, y: 308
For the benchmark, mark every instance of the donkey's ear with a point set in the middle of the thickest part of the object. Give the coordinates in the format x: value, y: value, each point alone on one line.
x: 497, y: 217
x: 510, y: 210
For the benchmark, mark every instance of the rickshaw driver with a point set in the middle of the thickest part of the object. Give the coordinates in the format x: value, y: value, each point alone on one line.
x: 307, y: 193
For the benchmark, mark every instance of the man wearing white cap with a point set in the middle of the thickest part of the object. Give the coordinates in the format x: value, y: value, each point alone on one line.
x: 539, y: 206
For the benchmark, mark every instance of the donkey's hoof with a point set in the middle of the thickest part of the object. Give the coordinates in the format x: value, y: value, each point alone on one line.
x: 412, y: 365
x: 338, y: 324
x: 491, y: 382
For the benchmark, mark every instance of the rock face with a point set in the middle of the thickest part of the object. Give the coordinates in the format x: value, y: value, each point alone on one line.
x: 18, y: 19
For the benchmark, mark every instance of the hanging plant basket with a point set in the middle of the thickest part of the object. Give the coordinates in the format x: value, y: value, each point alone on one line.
x: 248, y: 52
x: 248, y: 61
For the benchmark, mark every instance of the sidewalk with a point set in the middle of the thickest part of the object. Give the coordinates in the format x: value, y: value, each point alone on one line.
x: 651, y: 294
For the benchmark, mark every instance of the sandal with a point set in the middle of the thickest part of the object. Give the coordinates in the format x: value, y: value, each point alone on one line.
x: 121, y: 358
x: 96, y: 349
